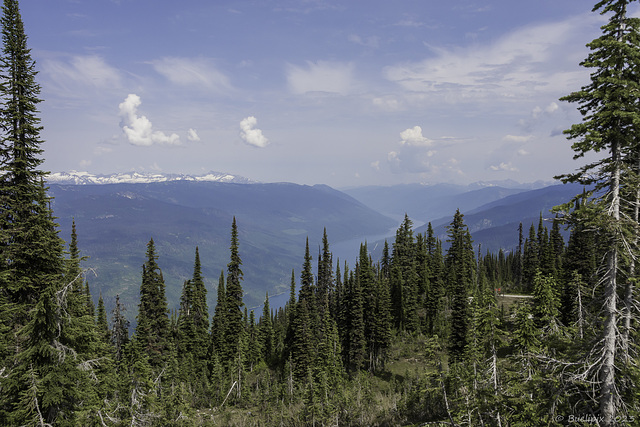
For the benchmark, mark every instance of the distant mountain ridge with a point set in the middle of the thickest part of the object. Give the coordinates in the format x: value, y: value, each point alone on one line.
x: 86, y: 178
x: 116, y: 221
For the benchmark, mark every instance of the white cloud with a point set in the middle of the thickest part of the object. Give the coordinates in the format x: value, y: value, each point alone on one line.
x: 413, y: 137
x: 549, y: 109
x: 321, y: 76
x: 517, y: 138
x: 197, y: 72
x: 72, y: 76
x: 192, y: 135
x: 138, y: 129
x: 522, y: 64
x: 250, y: 134
x: 387, y: 103
x: 503, y: 167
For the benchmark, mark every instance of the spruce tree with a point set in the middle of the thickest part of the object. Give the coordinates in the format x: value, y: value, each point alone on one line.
x: 611, y: 120
x: 152, y: 329
x: 324, y: 285
x: 234, y: 325
x: 119, y: 329
x: 354, y: 344
x: 267, y: 336
x: 218, y: 322
x: 530, y: 259
x: 199, y: 310
x: 42, y: 381
x: 101, y: 322
x: 460, y: 267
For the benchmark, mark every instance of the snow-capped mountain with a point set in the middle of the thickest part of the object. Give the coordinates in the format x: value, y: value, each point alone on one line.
x: 83, y: 178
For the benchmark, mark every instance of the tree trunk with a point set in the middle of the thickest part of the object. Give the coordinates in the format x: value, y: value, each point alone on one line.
x: 607, y: 370
x: 628, y: 292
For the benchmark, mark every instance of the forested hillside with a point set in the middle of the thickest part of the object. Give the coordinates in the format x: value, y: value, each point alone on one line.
x: 429, y: 334
x: 116, y: 221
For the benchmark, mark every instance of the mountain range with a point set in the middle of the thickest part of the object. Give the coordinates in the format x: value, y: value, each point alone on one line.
x: 86, y: 178
x: 116, y: 216
x: 115, y: 222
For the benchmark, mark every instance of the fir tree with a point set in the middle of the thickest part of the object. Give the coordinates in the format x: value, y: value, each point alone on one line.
x: 530, y: 259
x: 42, y: 382
x: 101, y: 322
x: 199, y: 311
x: 152, y: 329
x: 218, y: 322
x: 119, y: 329
x: 354, y: 344
x: 610, y: 109
x: 267, y: 337
x: 324, y: 285
x: 460, y: 275
x: 234, y: 326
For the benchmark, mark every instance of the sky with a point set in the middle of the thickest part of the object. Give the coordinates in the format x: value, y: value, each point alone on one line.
x: 344, y: 93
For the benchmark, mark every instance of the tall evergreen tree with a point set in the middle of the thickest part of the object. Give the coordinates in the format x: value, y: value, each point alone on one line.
x: 234, y: 326
x: 530, y: 259
x: 199, y: 307
x: 611, y: 120
x: 267, y: 336
x: 119, y: 329
x: 152, y: 329
x: 219, y: 322
x: 324, y: 285
x: 460, y: 267
x: 42, y: 382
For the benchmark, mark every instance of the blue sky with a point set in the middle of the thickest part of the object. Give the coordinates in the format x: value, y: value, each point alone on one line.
x: 343, y: 93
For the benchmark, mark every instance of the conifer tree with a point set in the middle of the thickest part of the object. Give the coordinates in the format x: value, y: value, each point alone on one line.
x: 354, y: 341
x: 234, y: 326
x: 460, y: 267
x: 404, y: 280
x: 324, y: 285
x: 611, y: 111
x: 101, y: 322
x: 530, y: 259
x: 307, y: 288
x: 199, y: 310
x: 434, y: 303
x: 366, y: 284
x: 119, y: 329
x: 302, y: 349
x: 546, y: 300
x: 267, y: 336
x: 42, y: 382
x: 218, y: 322
x: 382, y: 323
x: 152, y: 329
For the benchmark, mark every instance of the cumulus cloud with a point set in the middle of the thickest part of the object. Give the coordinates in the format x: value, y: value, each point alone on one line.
x: 138, y: 129
x: 192, y: 135
x: 321, y: 76
x: 417, y: 154
x: 549, y: 109
x: 413, y: 136
x: 200, y: 73
x: 250, y: 134
x: 503, y: 167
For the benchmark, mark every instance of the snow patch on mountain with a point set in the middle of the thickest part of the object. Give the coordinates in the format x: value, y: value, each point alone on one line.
x: 85, y: 178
